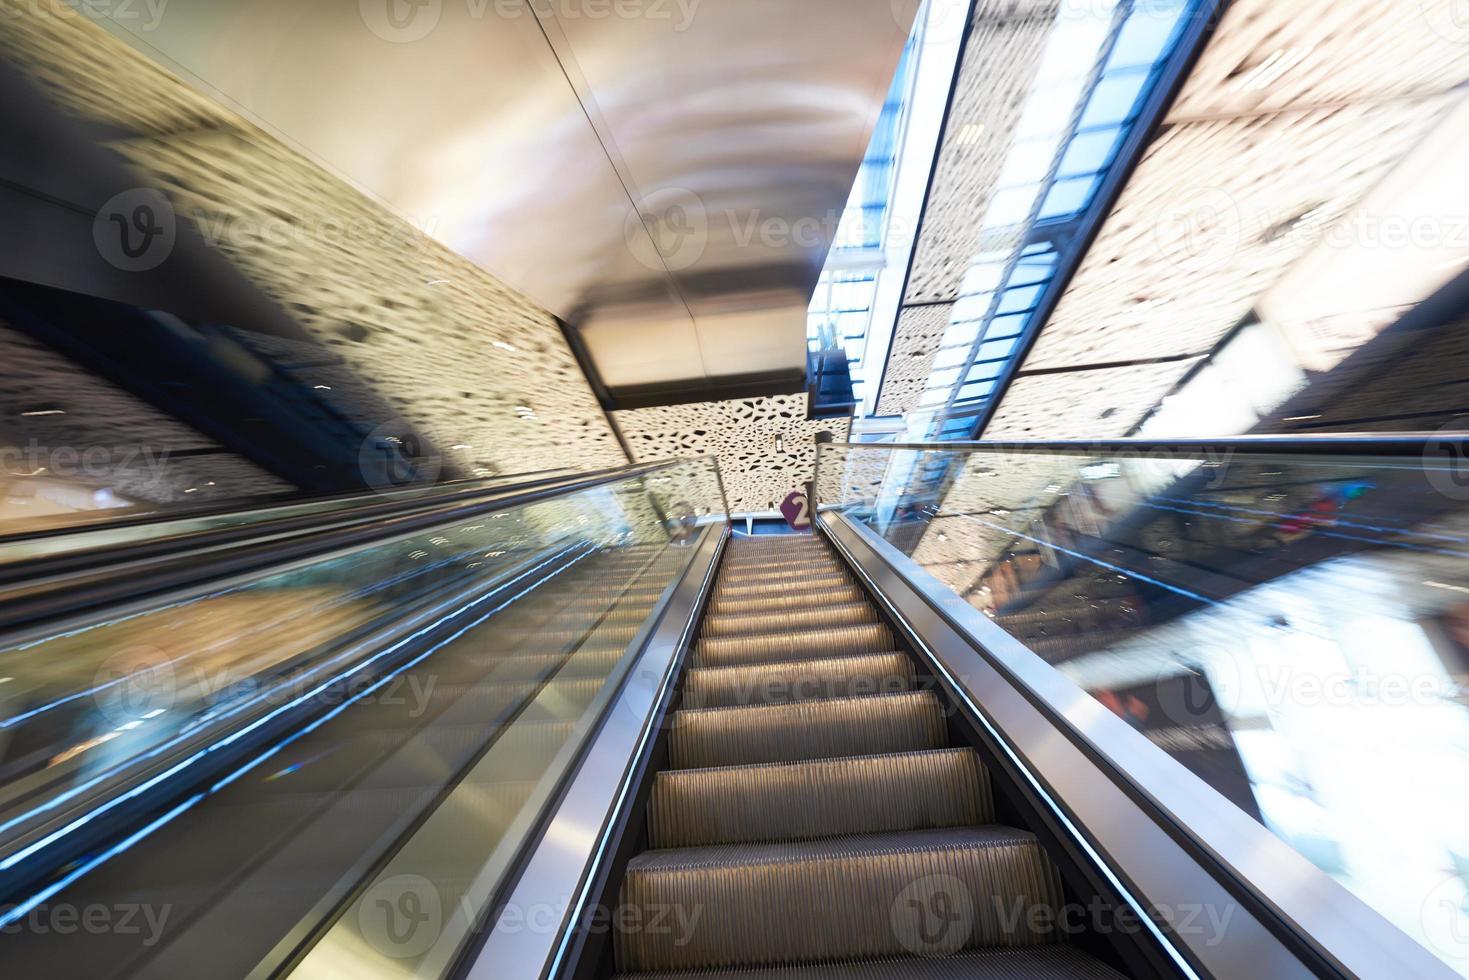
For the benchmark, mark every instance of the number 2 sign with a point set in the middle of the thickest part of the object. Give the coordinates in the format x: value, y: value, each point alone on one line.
x: 796, y: 510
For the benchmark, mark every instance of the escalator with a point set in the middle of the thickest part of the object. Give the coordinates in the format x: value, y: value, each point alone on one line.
x: 248, y: 873
x: 815, y: 810
x: 580, y: 730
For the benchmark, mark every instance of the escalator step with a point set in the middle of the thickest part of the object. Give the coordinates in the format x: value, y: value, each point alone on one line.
x: 1039, y: 963
x: 871, y: 895
x: 707, y: 737
x: 844, y: 614
x: 1034, y: 963
x: 760, y: 648
x: 780, y: 569
x: 793, y: 599
x: 799, y: 680
x: 776, y: 541
x: 782, y: 585
x: 787, y: 801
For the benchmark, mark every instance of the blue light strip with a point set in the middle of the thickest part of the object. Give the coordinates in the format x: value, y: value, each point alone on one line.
x: 72, y: 793
x: 26, y: 906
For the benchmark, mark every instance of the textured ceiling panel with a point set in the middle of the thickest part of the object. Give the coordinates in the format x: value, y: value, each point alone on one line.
x: 910, y: 361
x: 473, y: 364
x: 1000, y: 62
x: 1193, y: 241
x: 1271, y: 55
x: 1079, y: 404
x: 742, y: 433
x: 1287, y: 124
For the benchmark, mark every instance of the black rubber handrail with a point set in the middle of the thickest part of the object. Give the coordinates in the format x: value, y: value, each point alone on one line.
x: 1327, y: 444
x: 356, y: 507
x: 76, y: 584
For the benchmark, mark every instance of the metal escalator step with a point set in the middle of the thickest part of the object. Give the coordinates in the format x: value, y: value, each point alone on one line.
x: 777, y: 541
x: 760, y: 648
x: 843, y: 614
x: 797, y: 680
x: 788, y: 801
x: 777, y: 566
x: 844, y: 898
x: 705, y: 737
x: 755, y: 557
x: 784, y: 575
x: 782, y: 585
x: 791, y: 599
x: 1037, y: 963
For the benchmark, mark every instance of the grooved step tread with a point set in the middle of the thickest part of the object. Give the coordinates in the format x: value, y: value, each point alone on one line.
x: 787, y: 645
x: 840, y: 614
x: 787, y: 801
x: 868, y: 895
x: 1041, y: 963
x: 705, y: 737
x: 788, y: 567
x: 797, y: 680
x: 777, y: 586
x: 794, y: 599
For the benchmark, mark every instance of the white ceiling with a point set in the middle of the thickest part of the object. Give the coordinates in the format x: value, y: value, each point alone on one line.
x: 661, y: 179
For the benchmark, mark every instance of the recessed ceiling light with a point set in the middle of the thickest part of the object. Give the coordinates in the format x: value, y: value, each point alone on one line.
x: 969, y: 134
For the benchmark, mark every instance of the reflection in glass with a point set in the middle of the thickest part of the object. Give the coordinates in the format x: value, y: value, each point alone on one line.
x: 1294, y: 630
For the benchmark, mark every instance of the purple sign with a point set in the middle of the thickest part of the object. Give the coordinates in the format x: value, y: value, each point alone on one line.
x: 796, y: 511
